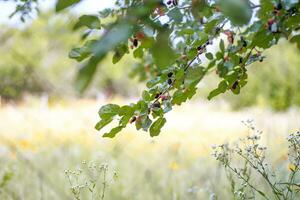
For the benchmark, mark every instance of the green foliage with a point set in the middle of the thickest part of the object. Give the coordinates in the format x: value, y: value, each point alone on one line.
x: 170, y: 42
x: 176, y: 53
x: 273, y: 83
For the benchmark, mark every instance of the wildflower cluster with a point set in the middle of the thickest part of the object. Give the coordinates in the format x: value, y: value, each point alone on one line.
x: 91, y: 180
x: 251, y: 160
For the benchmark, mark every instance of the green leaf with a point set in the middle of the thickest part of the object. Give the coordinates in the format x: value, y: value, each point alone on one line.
x: 146, y: 96
x: 209, y: 56
x: 186, y: 31
x: 222, y: 87
x: 138, y: 52
x: 102, y: 123
x: 62, y: 4
x: 157, y: 112
x: 90, y: 21
x: 179, y: 77
x: 156, y: 126
x: 120, y: 51
x: 147, y: 42
x: 113, y: 132
x: 175, y: 14
x: 105, y: 12
x: 143, y: 122
x: 193, y: 75
x: 222, y: 45
x: 153, y: 82
x: 210, y: 25
x: 296, y: 39
x: 167, y: 106
x: 229, y: 65
x: 124, y: 110
x: 239, y: 12
x: 81, y: 53
x: 127, y: 113
x: 179, y: 97
x: 142, y: 107
x: 262, y: 39
x: 108, y: 111
x: 265, y: 8
x: 107, y: 43
x: 146, y: 123
x: 162, y: 53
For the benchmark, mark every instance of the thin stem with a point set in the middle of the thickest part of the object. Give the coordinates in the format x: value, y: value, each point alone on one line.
x: 263, y: 174
x: 246, y: 181
x: 104, y: 183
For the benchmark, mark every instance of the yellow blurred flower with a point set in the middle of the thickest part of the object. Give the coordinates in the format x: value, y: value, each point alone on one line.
x: 26, y: 145
x: 174, y: 166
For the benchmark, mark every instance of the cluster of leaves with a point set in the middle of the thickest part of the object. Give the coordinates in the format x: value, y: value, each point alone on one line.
x: 24, y: 8
x: 251, y: 159
x: 171, y: 41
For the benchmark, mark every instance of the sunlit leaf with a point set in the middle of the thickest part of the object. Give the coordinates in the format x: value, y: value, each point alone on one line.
x: 108, y: 111
x: 239, y: 12
x: 90, y: 21
x: 62, y: 4
x: 162, y: 53
x: 156, y: 126
x: 113, y: 132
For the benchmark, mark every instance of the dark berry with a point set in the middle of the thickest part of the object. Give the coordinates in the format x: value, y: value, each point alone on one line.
x: 235, y: 84
x: 292, y: 11
x: 241, y: 60
x: 170, y: 74
x: 169, y: 2
x: 135, y: 42
x: 170, y: 81
x: 199, y: 48
x: 279, y: 6
x: 133, y: 119
x: 156, y: 105
x: 244, y: 42
x: 157, y: 96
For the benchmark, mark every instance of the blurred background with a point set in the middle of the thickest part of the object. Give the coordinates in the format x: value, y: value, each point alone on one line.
x: 46, y: 127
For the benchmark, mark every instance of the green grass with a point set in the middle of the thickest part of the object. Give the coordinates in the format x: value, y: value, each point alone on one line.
x: 38, y: 145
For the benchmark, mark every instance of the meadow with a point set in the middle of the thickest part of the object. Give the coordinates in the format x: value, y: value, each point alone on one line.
x: 53, y: 152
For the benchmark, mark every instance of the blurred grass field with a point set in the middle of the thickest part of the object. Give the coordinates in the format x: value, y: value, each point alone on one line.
x: 39, y: 142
